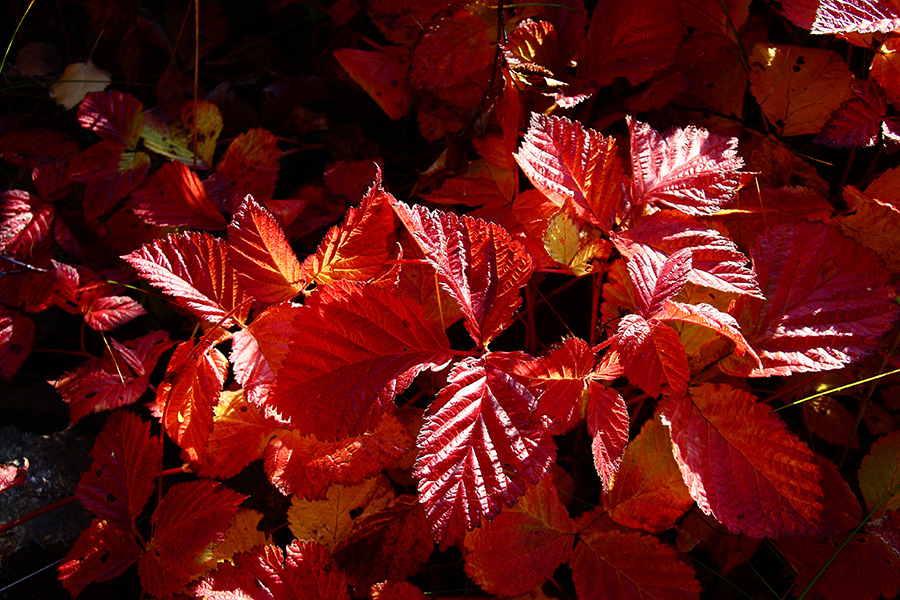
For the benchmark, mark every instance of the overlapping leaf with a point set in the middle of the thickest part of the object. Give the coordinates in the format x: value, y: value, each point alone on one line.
x: 263, y: 260
x: 382, y: 74
x: 355, y: 347
x: 13, y: 475
x: 81, y: 291
x: 716, y: 261
x: 258, y: 350
x: 569, y: 163
x: 110, y: 171
x: 607, y: 422
x: 769, y: 485
x: 828, y: 300
x: 16, y: 341
x: 124, y: 470
x: 189, y: 136
x: 193, y: 269
x: 114, y: 116
x: 523, y: 545
x: 691, y: 170
x: 249, y: 167
x: 101, y: 553
x: 834, y: 16
x: 25, y: 224
x: 879, y: 474
x: 652, y: 355
x: 477, y: 263
x: 480, y: 444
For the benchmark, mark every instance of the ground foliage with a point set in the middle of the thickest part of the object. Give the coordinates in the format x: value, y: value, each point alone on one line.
x: 385, y: 298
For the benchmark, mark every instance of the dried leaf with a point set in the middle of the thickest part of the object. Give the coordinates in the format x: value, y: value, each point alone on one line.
x: 76, y: 82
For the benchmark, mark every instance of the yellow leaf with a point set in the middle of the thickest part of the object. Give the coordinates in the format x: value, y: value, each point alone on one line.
x: 330, y: 521
x: 242, y: 536
x: 798, y: 88
x: 76, y: 82
x: 175, y: 138
x: 572, y: 244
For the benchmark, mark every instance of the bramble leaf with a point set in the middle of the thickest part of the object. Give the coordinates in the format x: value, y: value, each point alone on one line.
x: 480, y: 444
x: 769, y: 485
x: 16, y: 341
x: 114, y: 116
x: 175, y: 197
x: 652, y: 355
x: 879, y: 474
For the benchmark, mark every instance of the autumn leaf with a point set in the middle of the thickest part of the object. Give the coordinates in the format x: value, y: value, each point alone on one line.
x: 16, y: 341
x: 360, y: 247
x: 114, y: 116
x: 356, y: 346
x: 769, y: 487
x: 879, y: 475
x: 111, y: 172
x: 304, y: 571
x: 175, y: 137
x: 828, y: 301
x: 691, y: 170
x: 248, y: 168
x: 652, y: 355
x: 101, y: 553
x: 382, y: 74
x: 833, y: 16
x: 240, y: 435
x: 126, y: 461
x: 607, y: 563
x: 523, y: 545
x: 477, y: 263
x: 81, y: 291
x: 798, y: 88
x: 479, y: 446
x: 263, y: 260
x: 648, y: 491
x: 26, y: 222
x: 258, y: 351
x: 193, y: 269
x: 857, y: 122
x: 874, y: 216
x: 567, y: 162
x: 190, y: 517
x: 13, y: 475
x: 76, y: 82
x: 607, y: 422
x: 175, y: 197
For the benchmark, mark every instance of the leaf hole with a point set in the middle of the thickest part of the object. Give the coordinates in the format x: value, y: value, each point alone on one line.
x: 355, y: 512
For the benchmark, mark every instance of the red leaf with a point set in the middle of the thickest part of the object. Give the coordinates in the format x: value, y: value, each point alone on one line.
x: 250, y: 166
x: 305, y: 467
x: 607, y: 422
x: 16, y: 341
x: 828, y: 300
x: 648, y: 491
x: 101, y: 553
x: 110, y: 171
x: 691, y: 170
x: 835, y: 16
x: 262, y: 258
x: 194, y: 379
x: 258, y: 351
x: 656, y: 281
x: 175, y: 197
x: 480, y: 444
x: 742, y: 465
x: 397, y: 590
x: 559, y: 382
x: 887, y: 529
x: 569, y: 163
x: 12, y: 475
x: 716, y: 261
x: 114, y: 116
x: 607, y: 563
x: 523, y: 545
x: 305, y: 571
x: 25, y: 225
x: 190, y: 517
x: 118, y: 379
x: 652, y: 355
x: 360, y: 247
x: 382, y: 74
x: 477, y: 263
x: 857, y: 122
x: 193, y: 268
x: 123, y: 474
x: 355, y: 347
x: 81, y: 291
x: 630, y: 39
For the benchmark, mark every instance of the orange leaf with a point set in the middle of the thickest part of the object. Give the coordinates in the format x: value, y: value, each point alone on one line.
x: 175, y: 197
x: 648, y: 492
x: 875, y: 217
x: 250, y: 166
x: 382, y: 74
x: 261, y: 256
x: 798, y: 88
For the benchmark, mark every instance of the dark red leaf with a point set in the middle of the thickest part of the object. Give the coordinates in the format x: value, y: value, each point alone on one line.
x: 480, y: 444
x: 16, y: 341
x: 81, y: 291
x: 123, y: 474
x: 194, y: 270
x: 656, y: 280
x: 607, y: 422
x: 110, y: 171
x: 25, y: 225
x: 101, y: 553
x: 857, y: 122
x: 652, y: 355
x: 114, y: 116
x: 382, y: 74
x: 354, y: 347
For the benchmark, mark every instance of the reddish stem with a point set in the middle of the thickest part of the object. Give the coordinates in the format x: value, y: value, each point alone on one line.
x: 7, y: 526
